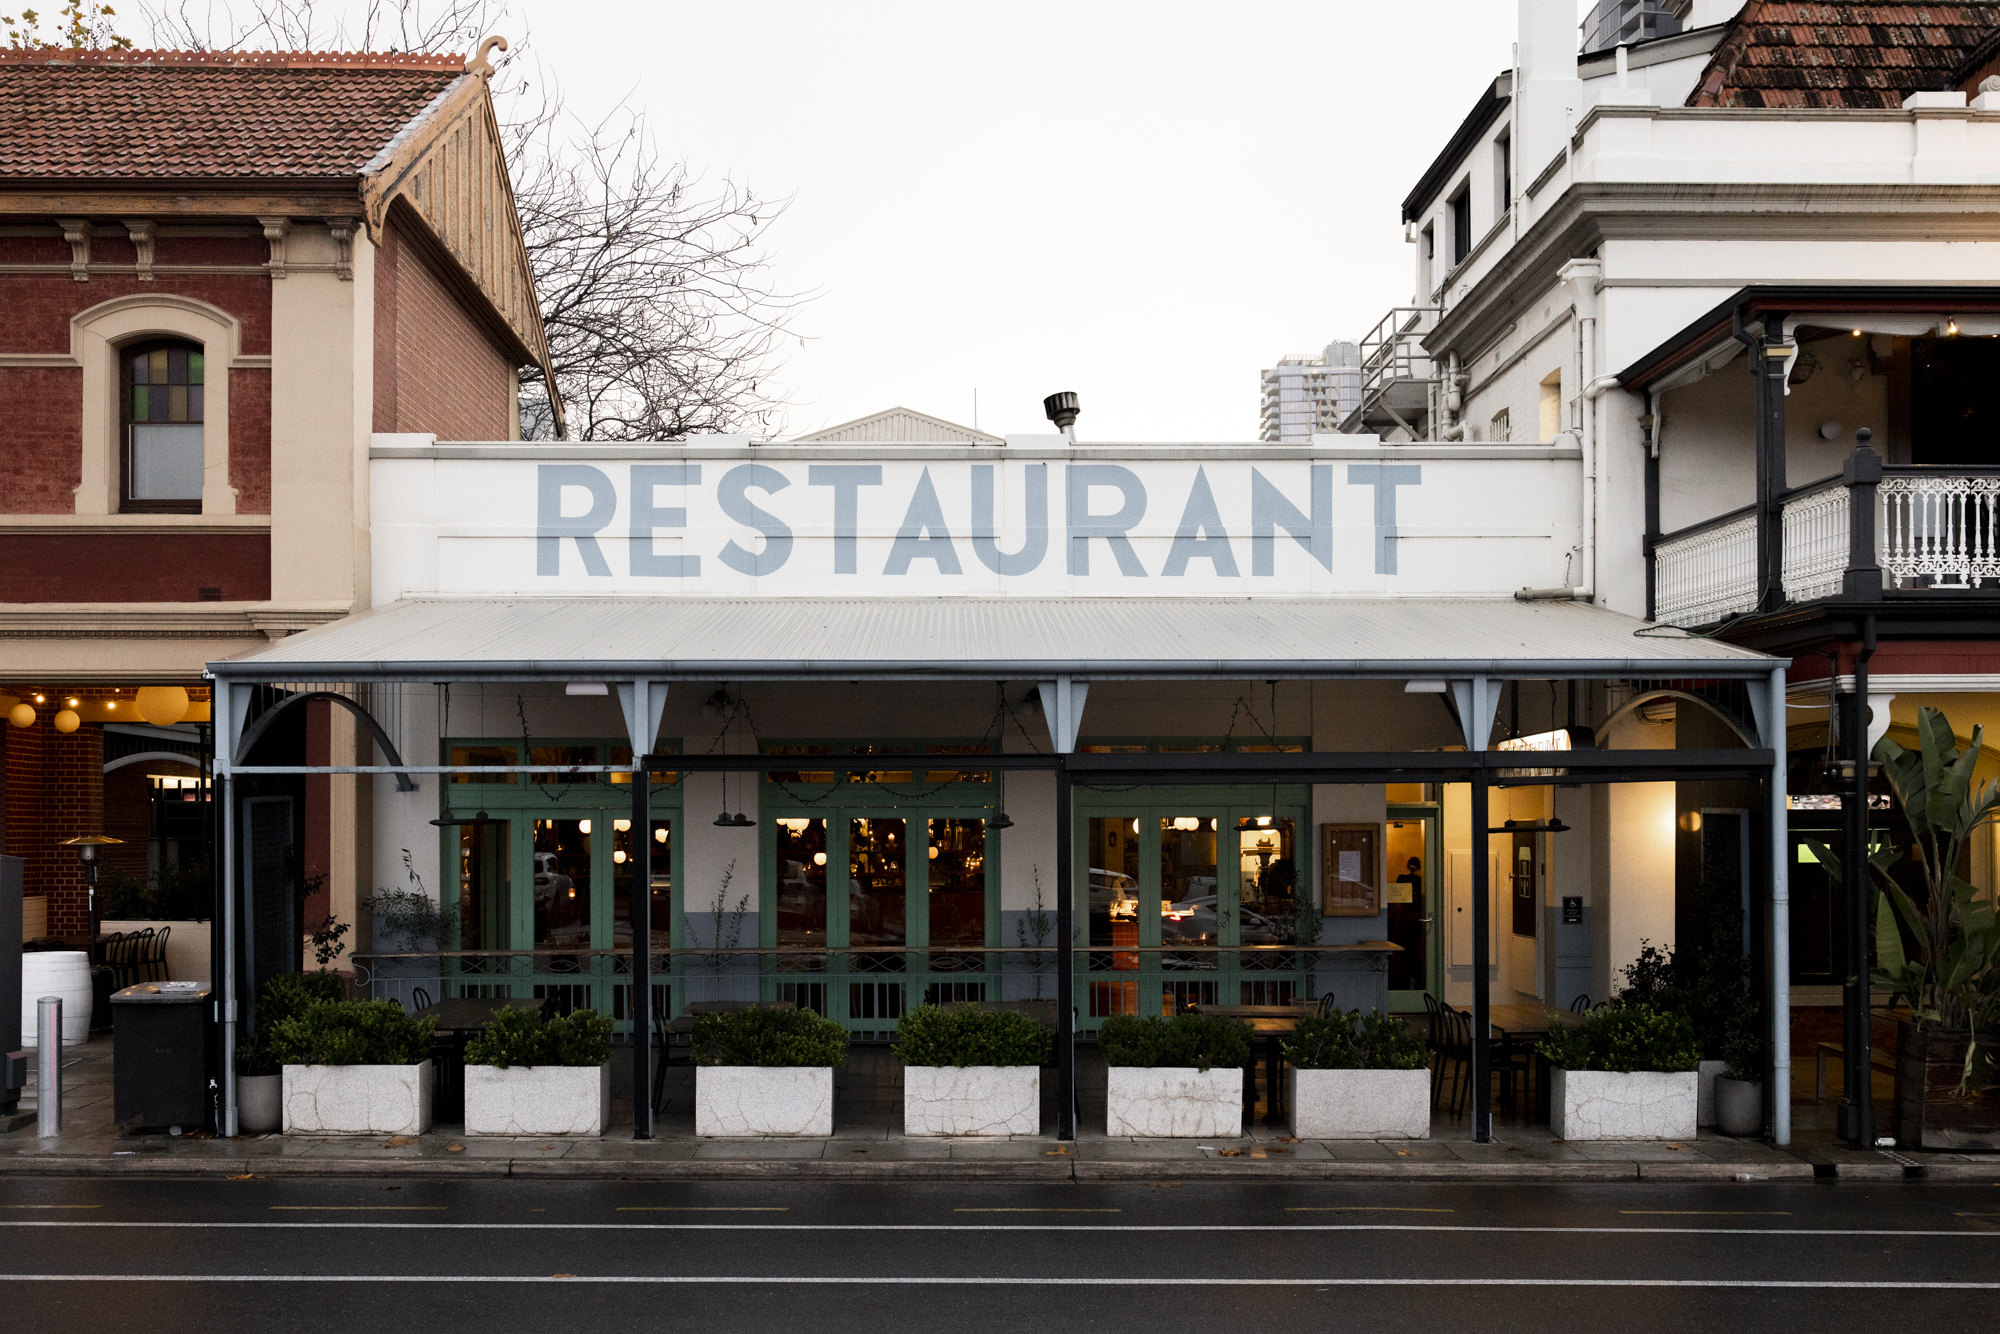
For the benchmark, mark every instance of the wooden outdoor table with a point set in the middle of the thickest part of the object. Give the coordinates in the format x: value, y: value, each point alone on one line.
x: 457, y: 1019
x: 1530, y: 1023
x: 1271, y: 1023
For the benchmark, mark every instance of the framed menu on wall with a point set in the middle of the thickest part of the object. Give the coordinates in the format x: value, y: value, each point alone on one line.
x: 1350, y: 874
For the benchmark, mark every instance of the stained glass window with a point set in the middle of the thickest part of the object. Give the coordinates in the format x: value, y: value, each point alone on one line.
x: 163, y: 406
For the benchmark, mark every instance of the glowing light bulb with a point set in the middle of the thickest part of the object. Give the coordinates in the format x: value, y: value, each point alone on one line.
x: 659, y: 835
x: 819, y: 859
x: 621, y: 826
x: 934, y: 854
x: 618, y: 856
x: 583, y: 826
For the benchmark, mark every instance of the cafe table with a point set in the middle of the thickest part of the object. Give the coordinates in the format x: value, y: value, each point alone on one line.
x: 1271, y: 1024
x: 1529, y: 1024
x: 456, y: 1020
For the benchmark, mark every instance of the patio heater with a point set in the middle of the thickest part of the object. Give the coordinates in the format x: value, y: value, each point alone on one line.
x: 86, y: 850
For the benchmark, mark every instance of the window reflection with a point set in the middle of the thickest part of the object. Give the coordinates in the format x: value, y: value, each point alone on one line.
x: 562, y: 884
x: 957, y: 897
x: 1267, y: 881
x: 876, y: 888
x: 1189, y: 905
x: 800, y: 858
x: 1112, y: 911
x: 624, y: 862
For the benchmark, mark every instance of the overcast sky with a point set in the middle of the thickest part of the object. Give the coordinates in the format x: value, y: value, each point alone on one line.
x: 1145, y: 203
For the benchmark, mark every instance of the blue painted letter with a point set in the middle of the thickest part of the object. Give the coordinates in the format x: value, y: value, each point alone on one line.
x: 985, y: 529
x: 646, y: 516
x: 1385, y: 478
x: 1201, y: 535
x: 846, y: 479
x: 731, y: 495
x: 1083, y: 525
x: 552, y: 525
x: 923, y: 535
x: 1269, y: 511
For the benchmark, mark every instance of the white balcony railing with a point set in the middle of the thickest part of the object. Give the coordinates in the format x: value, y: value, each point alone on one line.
x: 1703, y: 574
x: 1939, y: 528
x: 1815, y: 542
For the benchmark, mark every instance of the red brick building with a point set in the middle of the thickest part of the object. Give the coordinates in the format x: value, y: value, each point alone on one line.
x: 220, y: 273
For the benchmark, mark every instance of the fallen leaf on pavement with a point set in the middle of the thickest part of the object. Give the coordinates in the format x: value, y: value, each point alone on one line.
x: 1230, y: 1153
x: 454, y: 1148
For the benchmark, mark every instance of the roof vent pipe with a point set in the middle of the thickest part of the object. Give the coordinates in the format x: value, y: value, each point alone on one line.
x: 1062, y: 410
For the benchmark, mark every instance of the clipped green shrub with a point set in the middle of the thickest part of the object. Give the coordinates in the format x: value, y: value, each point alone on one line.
x: 284, y: 996
x: 351, y: 1033
x: 521, y: 1036
x: 1196, y: 1040
x: 1626, y: 1038
x: 769, y: 1038
x: 1350, y: 1040
x: 962, y: 1035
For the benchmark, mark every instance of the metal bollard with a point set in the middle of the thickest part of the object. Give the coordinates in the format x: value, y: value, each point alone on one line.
x: 48, y: 1058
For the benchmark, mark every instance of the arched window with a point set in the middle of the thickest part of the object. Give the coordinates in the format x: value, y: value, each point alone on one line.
x: 161, y: 406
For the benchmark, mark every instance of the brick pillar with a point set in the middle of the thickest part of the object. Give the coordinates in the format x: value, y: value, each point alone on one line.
x: 55, y: 791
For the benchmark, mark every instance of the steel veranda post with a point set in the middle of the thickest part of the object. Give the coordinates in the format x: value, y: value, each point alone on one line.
x: 1779, y: 940
x: 1858, y: 1095
x: 225, y: 796
x: 1477, y: 1067
x: 641, y: 1008
x: 1065, y: 957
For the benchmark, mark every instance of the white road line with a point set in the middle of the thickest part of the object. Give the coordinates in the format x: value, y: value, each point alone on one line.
x: 1024, y: 1227
x: 855, y: 1280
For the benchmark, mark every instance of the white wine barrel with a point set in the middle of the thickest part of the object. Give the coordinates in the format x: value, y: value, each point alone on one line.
x: 64, y: 973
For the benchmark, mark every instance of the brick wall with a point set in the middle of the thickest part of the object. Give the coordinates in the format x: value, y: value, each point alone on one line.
x: 136, y: 567
x: 436, y: 369
x: 41, y: 420
x: 250, y: 439
x: 55, y: 791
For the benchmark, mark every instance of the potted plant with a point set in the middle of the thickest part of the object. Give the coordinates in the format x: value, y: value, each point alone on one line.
x: 1739, y: 1093
x: 1175, y: 1077
x: 527, y: 1075
x: 1357, y: 1077
x: 355, y: 1068
x: 971, y: 1072
x: 765, y: 1072
x: 1629, y: 1072
x: 259, y: 1074
x: 1950, y: 981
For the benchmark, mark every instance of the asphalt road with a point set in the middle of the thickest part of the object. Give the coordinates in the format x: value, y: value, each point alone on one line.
x: 496, y: 1256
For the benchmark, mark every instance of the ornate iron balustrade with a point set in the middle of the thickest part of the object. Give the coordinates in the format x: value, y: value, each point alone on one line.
x: 1815, y: 541
x: 1708, y: 571
x: 1939, y: 527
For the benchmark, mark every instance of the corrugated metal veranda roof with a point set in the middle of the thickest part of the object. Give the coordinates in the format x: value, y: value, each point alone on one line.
x: 514, y: 638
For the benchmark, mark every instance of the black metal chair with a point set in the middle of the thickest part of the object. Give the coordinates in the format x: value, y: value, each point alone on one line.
x: 420, y: 999
x: 1326, y: 1006
x: 1581, y: 1005
x: 1454, y: 1050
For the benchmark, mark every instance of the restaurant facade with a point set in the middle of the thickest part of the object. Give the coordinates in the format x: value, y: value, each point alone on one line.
x: 1120, y: 727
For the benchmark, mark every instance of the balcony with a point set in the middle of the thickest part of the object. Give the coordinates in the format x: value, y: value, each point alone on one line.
x: 1396, y: 374
x: 1930, y: 531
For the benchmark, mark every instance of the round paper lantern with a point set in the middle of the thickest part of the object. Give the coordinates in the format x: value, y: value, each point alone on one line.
x: 161, y: 705
x: 67, y: 721
x: 22, y: 715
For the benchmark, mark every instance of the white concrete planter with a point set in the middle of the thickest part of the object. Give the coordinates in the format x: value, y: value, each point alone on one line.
x: 1174, y: 1102
x: 1359, y: 1104
x: 358, y: 1099
x: 1646, y: 1104
x: 537, y: 1099
x: 972, y: 1100
x: 259, y: 1103
x: 763, y: 1100
x: 1704, y: 1112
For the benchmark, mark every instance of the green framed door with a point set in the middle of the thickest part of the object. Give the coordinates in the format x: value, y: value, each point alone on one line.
x: 1412, y: 852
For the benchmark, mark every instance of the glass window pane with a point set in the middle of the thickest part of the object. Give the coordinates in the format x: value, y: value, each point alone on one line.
x: 1189, y: 904
x: 623, y: 755
x: 156, y: 365
x: 482, y: 886
x: 800, y: 859
x: 177, y: 365
x: 166, y: 462
x: 1113, y: 908
x: 177, y: 403
x: 957, y: 898
x: 1267, y: 878
x: 138, y: 364
x: 565, y: 756
x: 139, y: 403
x: 194, y: 370
x: 875, y: 882
x: 799, y: 776
x: 958, y: 775
x: 195, y: 403
x: 1408, y: 904
x: 624, y: 861
x: 485, y: 755
x: 562, y: 884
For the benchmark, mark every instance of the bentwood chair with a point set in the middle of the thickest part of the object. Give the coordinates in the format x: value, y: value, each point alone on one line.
x: 1581, y: 1005
x: 420, y: 999
x: 1455, y: 1055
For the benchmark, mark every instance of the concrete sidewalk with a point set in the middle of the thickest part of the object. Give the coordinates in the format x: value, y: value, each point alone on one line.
x: 868, y: 1144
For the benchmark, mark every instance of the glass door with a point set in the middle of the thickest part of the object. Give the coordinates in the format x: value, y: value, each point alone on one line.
x: 1410, y: 851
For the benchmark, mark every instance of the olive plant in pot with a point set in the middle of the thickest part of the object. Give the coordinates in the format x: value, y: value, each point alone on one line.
x: 1355, y: 1076
x: 355, y: 1068
x: 1948, y: 977
x: 1739, y: 1092
x: 1174, y: 1078
x: 530, y: 1075
x: 1628, y: 1072
x: 259, y: 1074
x: 765, y: 1072
x: 971, y: 1072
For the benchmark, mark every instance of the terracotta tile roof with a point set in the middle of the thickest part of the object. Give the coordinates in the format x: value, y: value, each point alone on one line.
x: 1840, y: 53
x: 150, y: 114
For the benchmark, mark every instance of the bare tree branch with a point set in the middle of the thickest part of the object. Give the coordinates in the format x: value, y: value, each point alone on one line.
x: 658, y: 291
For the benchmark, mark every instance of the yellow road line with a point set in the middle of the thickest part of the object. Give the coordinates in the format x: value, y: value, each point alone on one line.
x: 1360, y: 1209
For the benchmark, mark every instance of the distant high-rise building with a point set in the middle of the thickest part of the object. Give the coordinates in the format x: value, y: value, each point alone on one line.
x: 1625, y: 22
x: 1310, y: 393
